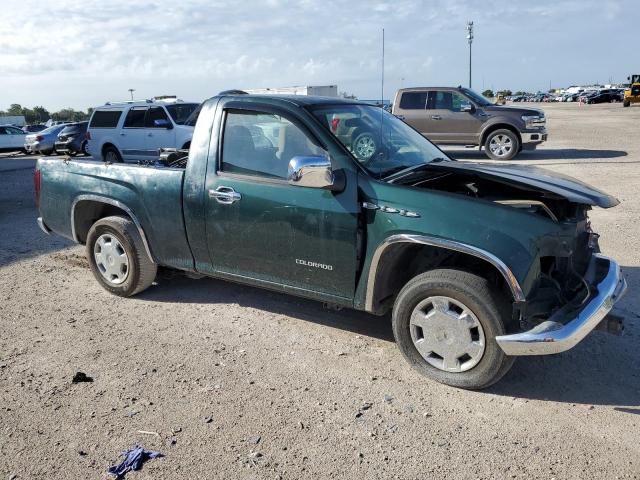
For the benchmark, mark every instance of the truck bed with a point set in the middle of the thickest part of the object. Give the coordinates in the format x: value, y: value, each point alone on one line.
x: 72, y: 191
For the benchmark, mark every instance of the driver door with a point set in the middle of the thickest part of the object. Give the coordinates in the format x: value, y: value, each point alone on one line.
x: 448, y: 123
x: 265, y: 229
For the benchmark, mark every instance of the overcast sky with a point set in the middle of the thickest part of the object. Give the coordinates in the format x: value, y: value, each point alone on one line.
x: 81, y: 53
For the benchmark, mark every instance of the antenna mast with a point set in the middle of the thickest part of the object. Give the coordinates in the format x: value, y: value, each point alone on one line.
x: 382, y: 82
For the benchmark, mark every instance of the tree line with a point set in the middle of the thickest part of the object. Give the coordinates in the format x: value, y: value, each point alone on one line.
x: 40, y: 114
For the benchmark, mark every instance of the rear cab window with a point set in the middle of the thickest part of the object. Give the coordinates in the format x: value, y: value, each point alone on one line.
x: 105, y: 119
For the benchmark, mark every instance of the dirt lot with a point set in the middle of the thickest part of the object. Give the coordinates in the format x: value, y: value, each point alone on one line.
x: 242, y: 383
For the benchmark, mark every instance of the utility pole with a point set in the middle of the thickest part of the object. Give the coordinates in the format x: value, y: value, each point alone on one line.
x: 470, y: 39
x: 131, y: 90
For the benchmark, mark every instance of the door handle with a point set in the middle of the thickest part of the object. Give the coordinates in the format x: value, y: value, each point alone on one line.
x: 150, y: 135
x: 225, y: 195
x: 122, y: 134
x: 436, y: 117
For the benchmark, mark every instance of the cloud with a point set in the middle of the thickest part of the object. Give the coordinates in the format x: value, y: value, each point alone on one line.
x: 93, y: 50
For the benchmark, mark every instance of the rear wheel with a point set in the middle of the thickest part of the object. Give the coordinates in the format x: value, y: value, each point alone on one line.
x: 112, y: 155
x: 118, y: 258
x: 626, y: 103
x: 502, y: 144
x: 445, y: 323
x: 84, y: 149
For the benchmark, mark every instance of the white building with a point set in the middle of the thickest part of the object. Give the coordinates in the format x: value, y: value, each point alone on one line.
x: 12, y: 120
x: 318, y: 90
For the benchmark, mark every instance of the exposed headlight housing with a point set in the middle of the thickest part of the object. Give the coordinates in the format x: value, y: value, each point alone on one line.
x: 534, y: 121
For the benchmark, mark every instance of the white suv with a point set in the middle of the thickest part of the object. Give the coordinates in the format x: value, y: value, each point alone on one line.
x: 134, y: 131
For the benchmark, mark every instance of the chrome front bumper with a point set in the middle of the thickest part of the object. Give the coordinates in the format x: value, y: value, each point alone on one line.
x: 552, y: 336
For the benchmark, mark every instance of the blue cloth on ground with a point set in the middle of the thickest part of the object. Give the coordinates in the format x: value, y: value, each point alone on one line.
x: 133, y: 460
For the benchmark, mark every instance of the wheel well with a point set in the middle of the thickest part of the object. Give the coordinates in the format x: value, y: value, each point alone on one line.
x: 500, y: 126
x: 108, y: 145
x: 187, y: 145
x: 401, y: 262
x: 88, y: 212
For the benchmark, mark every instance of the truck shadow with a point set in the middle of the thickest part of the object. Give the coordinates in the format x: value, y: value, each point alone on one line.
x: 543, y: 154
x: 601, y: 370
x: 175, y: 287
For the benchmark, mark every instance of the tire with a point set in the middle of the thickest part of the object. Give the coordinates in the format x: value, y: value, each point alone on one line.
x: 107, y: 238
x: 486, y: 307
x: 84, y: 150
x: 364, y: 146
x: 111, y: 154
x: 507, y: 142
x: 626, y: 103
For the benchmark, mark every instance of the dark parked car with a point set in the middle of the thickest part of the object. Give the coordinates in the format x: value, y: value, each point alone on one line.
x: 72, y: 139
x: 605, y: 96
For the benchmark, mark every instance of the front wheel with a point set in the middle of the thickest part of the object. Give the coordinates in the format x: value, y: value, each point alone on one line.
x: 502, y: 144
x: 84, y: 149
x: 445, y: 323
x: 118, y: 258
x: 626, y: 103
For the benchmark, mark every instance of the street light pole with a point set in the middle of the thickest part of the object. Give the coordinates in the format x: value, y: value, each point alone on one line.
x: 131, y: 90
x: 470, y: 39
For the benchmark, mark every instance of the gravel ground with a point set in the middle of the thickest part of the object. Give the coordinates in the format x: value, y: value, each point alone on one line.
x: 235, y: 382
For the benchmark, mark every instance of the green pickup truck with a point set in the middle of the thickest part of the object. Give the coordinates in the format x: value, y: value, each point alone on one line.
x: 478, y: 263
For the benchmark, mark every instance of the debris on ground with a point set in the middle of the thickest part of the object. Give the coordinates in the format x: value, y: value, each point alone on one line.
x: 81, y: 377
x: 134, y: 458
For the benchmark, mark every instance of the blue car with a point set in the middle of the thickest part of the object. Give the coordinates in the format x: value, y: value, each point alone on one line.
x: 72, y: 139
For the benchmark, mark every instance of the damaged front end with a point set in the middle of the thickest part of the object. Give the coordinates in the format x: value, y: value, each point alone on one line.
x: 573, y: 287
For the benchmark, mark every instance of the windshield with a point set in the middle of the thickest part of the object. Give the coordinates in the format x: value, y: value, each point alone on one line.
x: 181, y: 111
x: 379, y: 141
x: 476, y: 97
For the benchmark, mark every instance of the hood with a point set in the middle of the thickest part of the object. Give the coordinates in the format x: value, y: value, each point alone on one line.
x: 497, y: 109
x: 536, y: 179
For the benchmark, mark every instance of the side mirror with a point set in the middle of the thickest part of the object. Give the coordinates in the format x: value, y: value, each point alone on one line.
x: 468, y: 107
x: 310, y: 171
x: 163, y: 123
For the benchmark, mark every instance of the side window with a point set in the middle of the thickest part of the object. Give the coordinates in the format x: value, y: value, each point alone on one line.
x: 449, y: 101
x: 14, y: 131
x: 135, y: 118
x: 3, y: 131
x: 262, y: 144
x: 105, y: 119
x: 155, y: 113
x: 413, y: 100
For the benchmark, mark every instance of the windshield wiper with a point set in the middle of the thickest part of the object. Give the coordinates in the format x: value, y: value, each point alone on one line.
x: 405, y: 172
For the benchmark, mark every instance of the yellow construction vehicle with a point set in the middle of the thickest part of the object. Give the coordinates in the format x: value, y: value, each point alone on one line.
x: 632, y: 94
